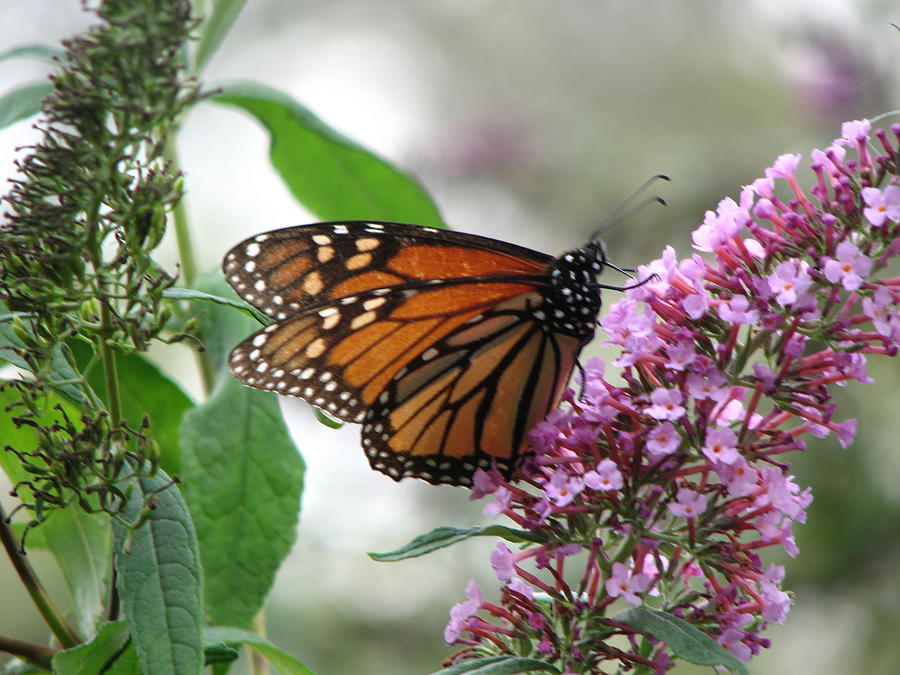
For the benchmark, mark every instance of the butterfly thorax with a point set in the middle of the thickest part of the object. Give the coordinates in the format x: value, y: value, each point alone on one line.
x: 572, y: 301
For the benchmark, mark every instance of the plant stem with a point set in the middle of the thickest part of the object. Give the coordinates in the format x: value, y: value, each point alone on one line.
x: 188, y: 263
x: 35, y: 654
x: 64, y: 632
x: 258, y: 664
x: 182, y: 232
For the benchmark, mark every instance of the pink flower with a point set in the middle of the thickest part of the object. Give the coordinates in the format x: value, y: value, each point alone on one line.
x: 503, y: 562
x: 881, y: 206
x: 710, y: 385
x: 721, y: 446
x: 606, y: 477
x: 562, y: 488
x: 483, y: 484
x: 626, y: 585
x: 659, y: 272
x: 462, y: 612
x: 737, y: 311
x: 856, y: 130
x: 736, y: 354
x: 776, y: 602
x: 516, y: 584
x: 740, y: 478
x: 681, y: 355
x: 666, y: 404
x: 663, y: 440
x: 850, y: 268
x: 696, y: 305
x: 731, y: 640
x: 500, y: 503
x: 790, y: 281
x: 689, y: 504
x: 784, y: 167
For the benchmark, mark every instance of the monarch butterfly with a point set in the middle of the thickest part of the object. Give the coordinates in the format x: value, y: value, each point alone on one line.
x: 446, y: 347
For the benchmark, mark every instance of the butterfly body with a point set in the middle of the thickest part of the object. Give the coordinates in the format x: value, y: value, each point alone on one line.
x: 446, y: 347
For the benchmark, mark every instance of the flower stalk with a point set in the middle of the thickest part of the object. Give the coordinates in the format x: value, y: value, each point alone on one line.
x: 660, y: 491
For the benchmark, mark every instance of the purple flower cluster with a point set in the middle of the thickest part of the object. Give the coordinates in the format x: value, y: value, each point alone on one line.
x: 660, y: 490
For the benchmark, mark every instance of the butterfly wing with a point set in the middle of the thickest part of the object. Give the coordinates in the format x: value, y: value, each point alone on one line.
x: 288, y: 270
x: 437, y: 341
x: 469, y: 400
x: 341, y: 355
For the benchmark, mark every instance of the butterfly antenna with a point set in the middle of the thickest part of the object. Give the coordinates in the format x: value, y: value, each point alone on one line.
x: 627, y: 272
x: 628, y: 208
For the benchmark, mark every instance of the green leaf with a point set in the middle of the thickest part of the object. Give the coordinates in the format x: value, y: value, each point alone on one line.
x: 333, y: 176
x: 189, y: 294
x: 324, y: 418
x: 24, y: 438
x: 144, y: 390
x: 217, y: 21
x: 111, y: 651
x: 37, y: 52
x: 159, y: 579
x: 219, y: 654
x: 22, y: 102
x: 284, y: 662
x: 61, y: 368
x: 80, y: 542
x: 220, y: 327
x: 499, y: 665
x: 441, y: 537
x: 686, y: 641
x: 242, y: 479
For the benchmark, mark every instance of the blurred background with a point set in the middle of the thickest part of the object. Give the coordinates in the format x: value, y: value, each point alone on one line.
x: 529, y: 121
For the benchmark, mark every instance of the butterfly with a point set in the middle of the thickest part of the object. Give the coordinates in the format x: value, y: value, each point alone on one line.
x: 447, y: 347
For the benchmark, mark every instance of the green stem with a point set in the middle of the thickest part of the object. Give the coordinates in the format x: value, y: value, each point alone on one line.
x: 188, y: 263
x: 182, y: 231
x: 64, y: 632
x: 110, y: 370
x: 37, y: 655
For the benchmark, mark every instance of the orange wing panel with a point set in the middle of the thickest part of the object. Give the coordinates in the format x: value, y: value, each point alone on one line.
x: 364, y: 282
x: 452, y: 299
x: 444, y: 262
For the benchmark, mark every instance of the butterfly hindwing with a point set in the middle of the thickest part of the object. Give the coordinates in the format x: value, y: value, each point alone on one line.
x: 470, y: 399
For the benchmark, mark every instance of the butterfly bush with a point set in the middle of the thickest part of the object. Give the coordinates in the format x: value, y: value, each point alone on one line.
x: 661, y: 489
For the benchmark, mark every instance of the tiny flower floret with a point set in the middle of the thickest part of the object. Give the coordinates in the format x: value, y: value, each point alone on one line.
x: 689, y: 504
x: 606, y: 477
x: 626, y: 585
x: 784, y: 167
x: 849, y: 268
x: 666, y: 404
x: 881, y: 206
x: 721, y: 446
x: 790, y: 281
x: 663, y: 440
x: 503, y: 561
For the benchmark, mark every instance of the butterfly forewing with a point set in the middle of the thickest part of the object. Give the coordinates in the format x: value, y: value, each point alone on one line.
x: 285, y: 271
